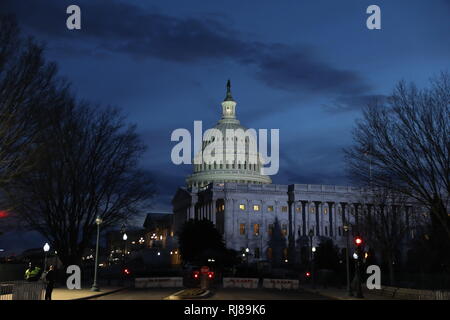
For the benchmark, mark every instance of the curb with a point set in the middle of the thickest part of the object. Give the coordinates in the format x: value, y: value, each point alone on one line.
x: 100, y: 294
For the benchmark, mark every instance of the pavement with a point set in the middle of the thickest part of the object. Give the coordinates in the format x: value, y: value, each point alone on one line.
x: 139, y: 294
x: 127, y: 293
x: 216, y: 294
x: 84, y: 293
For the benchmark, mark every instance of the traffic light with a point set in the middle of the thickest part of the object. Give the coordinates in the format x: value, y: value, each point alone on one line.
x: 126, y: 271
x: 358, y: 241
x: 308, y: 274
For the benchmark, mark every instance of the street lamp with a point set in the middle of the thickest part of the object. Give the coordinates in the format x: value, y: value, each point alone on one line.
x: 95, y: 287
x: 46, y: 249
x: 247, y: 253
x: 313, y: 250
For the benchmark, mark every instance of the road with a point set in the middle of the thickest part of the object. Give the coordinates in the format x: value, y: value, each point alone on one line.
x: 219, y: 294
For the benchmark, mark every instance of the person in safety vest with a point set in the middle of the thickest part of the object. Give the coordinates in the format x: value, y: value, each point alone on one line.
x: 32, y: 273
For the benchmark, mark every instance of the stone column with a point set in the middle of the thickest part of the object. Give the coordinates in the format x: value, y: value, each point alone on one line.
x: 304, y: 218
x: 317, y: 206
x: 291, y: 235
x: 330, y: 218
x: 214, y: 211
x: 229, y: 223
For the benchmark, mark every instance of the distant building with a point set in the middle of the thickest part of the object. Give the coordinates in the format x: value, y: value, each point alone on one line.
x: 119, y: 249
x: 160, y: 236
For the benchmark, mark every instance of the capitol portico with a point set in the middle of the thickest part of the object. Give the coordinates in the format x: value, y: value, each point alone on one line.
x: 245, y: 206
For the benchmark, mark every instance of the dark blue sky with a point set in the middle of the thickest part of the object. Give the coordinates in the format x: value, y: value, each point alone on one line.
x: 304, y: 67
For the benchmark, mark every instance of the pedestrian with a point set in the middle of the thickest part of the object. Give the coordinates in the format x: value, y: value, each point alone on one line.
x: 50, y: 278
x: 32, y: 273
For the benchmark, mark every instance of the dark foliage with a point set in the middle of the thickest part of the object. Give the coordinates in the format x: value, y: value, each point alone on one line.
x: 199, y: 241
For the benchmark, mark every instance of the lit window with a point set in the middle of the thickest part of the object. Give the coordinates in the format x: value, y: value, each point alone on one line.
x: 270, y: 208
x: 284, y: 230
x: 255, y: 207
x: 325, y: 210
x: 285, y: 253
x: 242, y: 228
x: 312, y: 210
x: 242, y: 206
x: 298, y: 209
x: 284, y: 208
x: 256, y: 229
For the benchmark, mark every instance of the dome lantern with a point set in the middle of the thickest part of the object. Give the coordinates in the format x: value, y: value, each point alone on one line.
x: 229, y: 105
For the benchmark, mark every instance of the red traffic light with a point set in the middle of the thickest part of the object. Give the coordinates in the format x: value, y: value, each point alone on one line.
x: 210, y: 275
x: 127, y: 271
x: 308, y: 274
x: 196, y: 274
x: 358, y: 241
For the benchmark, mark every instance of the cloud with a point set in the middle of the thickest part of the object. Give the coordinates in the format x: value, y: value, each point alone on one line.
x: 114, y: 26
x: 299, y: 69
x: 352, y: 102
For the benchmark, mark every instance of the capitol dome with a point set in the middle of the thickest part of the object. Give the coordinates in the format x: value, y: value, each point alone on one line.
x: 245, y: 164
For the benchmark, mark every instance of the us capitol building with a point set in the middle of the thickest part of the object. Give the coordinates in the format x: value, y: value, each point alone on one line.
x: 247, y: 208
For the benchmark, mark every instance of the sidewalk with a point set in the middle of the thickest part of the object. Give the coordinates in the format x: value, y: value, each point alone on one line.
x: 84, y: 293
x: 342, y: 294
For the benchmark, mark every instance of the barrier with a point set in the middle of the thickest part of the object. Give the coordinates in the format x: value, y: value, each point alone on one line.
x: 22, y: 290
x: 248, y: 283
x: 169, y: 282
x: 281, y: 284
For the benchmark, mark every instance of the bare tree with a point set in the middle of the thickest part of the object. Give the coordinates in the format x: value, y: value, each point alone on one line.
x: 404, y: 144
x: 386, y: 221
x: 27, y: 84
x: 62, y: 162
x: 87, y: 167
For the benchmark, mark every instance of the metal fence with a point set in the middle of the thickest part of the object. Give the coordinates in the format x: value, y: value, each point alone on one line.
x: 22, y: 290
x: 442, y: 295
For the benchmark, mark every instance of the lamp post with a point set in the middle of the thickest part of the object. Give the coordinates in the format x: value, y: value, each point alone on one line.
x: 347, y: 262
x: 247, y: 253
x: 125, y: 237
x: 311, y: 234
x: 313, y: 251
x: 95, y: 287
x: 46, y: 249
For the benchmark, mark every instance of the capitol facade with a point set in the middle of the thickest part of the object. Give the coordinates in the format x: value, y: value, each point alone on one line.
x: 247, y: 208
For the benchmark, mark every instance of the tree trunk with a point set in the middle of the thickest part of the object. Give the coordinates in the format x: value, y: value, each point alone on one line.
x: 391, y: 272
